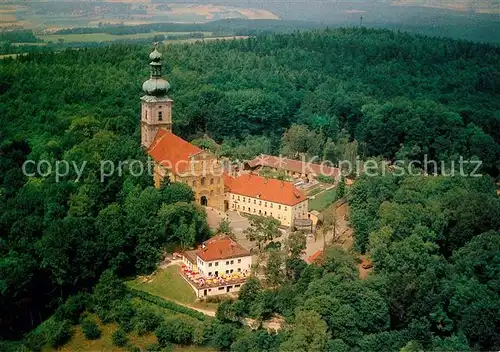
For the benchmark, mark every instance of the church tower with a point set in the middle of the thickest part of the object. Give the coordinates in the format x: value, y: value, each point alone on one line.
x: 156, y: 106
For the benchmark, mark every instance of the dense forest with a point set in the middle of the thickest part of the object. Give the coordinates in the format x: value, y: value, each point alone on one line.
x: 327, y: 93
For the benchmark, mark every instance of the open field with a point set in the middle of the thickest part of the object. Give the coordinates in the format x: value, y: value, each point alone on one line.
x: 167, y: 284
x: 105, y: 37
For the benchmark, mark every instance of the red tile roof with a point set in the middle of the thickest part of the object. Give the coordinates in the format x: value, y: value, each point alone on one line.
x: 171, y: 151
x: 221, y: 247
x: 293, y: 165
x: 316, y: 256
x: 267, y: 189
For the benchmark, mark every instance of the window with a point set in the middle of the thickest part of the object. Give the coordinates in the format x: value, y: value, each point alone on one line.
x: 244, y: 199
x: 260, y: 202
x: 216, y: 263
x: 254, y: 201
x: 254, y: 210
x: 233, y: 196
x: 160, y: 116
x: 239, y: 261
x: 221, y: 288
x: 232, y: 262
x: 210, y: 274
x: 239, y: 270
x: 243, y: 208
x: 211, y: 181
x: 237, y: 285
x: 271, y: 205
x: 227, y: 263
x: 279, y: 207
x: 265, y: 204
x: 227, y: 271
x: 238, y: 197
x: 285, y: 207
x: 231, y: 271
x: 210, y: 264
x: 203, y: 181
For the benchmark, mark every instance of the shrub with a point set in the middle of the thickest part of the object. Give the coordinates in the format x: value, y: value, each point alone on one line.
x: 90, y: 329
x: 325, y: 179
x: 147, y: 320
x: 119, y: 338
x: 154, y: 347
x: 167, y: 304
x: 35, y: 340
x: 124, y: 313
x: 175, y: 330
x: 72, y: 308
x: 57, y: 333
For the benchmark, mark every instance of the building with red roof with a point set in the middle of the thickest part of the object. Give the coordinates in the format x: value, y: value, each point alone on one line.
x: 257, y: 195
x: 220, y: 265
x: 174, y: 157
x: 293, y: 168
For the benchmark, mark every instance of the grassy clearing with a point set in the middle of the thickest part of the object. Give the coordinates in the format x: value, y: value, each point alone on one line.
x: 167, y: 284
x: 104, y: 37
x: 322, y: 200
x: 104, y: 343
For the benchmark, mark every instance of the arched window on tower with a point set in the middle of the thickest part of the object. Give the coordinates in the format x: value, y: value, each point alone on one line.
x: 203, y: 181
x: 160, y: 116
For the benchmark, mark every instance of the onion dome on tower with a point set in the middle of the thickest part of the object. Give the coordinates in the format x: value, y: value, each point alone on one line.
x: 155, y: 85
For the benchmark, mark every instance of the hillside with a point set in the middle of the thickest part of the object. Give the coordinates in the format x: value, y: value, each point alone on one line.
x: 335, y: 94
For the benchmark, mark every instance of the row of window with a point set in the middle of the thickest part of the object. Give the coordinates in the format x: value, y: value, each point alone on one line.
x: 227, y: 263
x: 248, y: 209
x: 260, y: 202
x: 227, y: 272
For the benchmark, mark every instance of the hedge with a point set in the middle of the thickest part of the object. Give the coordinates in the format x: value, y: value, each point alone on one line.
x: 163, y: 303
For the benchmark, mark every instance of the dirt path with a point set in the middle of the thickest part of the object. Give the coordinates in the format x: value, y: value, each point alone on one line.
x: 343, y: 233
x: 272, y: 324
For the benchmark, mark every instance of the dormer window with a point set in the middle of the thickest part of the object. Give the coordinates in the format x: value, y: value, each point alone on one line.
x: 160, y: 116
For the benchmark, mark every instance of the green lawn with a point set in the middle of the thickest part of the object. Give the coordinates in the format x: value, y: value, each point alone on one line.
x: 167, y: 284
x: 105, y: 37
x: 322, y: 200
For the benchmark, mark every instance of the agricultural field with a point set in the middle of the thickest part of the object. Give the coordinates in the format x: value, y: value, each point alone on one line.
x: 105, y: 37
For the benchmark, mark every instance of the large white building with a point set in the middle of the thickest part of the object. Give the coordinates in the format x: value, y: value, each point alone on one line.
x: 220, y: 265
x: 257, y: 195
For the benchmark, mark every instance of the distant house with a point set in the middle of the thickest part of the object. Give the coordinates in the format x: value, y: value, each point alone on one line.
x: 292, y: 168
x: 257, y: 195
x: 219, y: 266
